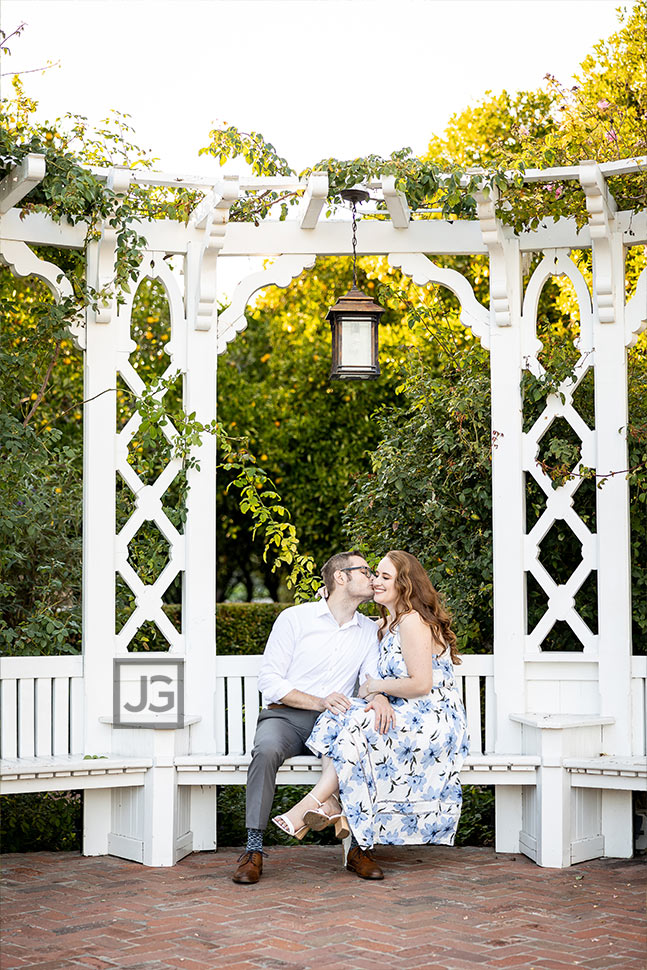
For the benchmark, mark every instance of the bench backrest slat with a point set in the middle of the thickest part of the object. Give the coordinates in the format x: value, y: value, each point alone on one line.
x: 235, y: 713
x: 639, y: 706
x: 42, y: 706
x: 238, y: 702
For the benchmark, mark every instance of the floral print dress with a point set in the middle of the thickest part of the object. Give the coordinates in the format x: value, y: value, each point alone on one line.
x: 403, y: 787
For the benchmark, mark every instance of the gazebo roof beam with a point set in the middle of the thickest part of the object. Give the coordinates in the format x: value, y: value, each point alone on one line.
x: 21, y: 180
x: 625, y: 166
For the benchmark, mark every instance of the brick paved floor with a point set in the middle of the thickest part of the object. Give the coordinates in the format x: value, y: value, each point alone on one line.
x: 440, y: 908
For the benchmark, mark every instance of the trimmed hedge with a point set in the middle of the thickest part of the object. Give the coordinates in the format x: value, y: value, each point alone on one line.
x: 41, y: 822
x: 243, y: 628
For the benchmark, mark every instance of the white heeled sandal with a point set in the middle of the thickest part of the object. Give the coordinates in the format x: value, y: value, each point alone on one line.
x: 318, y: 820
x: 283, y: 822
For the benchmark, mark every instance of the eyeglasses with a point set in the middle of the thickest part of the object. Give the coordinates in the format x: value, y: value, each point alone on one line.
x: 363, y: 569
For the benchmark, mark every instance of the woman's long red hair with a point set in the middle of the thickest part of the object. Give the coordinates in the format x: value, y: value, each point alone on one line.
x: 416, y: 592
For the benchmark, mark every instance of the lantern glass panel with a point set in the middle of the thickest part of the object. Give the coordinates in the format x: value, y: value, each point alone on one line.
x: 356, y: 341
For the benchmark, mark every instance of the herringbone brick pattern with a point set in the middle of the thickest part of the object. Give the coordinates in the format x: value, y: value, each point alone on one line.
x: 440, y: 908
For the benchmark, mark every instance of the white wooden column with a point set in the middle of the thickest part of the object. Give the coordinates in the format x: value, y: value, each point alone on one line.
x: 99, y: 431
x: 508, y: 505
x: 199, y: 591
x: 612, y: 499
x: 199, y: 595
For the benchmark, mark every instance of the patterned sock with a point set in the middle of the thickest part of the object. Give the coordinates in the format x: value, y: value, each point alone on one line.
x: 354, y: 844
x: 254, y: 840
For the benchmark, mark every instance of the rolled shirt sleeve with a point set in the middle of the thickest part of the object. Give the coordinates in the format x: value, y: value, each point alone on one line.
x: 272, y: 676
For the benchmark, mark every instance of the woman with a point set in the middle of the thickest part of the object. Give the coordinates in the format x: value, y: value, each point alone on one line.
x: 400, y: 787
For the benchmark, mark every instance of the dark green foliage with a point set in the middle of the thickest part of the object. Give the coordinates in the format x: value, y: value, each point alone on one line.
x: 41, y: 822
x: 429, y: 491
x: 243, y: 628
x: 231, y: 817
x: 476, y: 826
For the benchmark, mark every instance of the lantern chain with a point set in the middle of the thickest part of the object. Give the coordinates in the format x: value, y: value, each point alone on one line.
x: 354, y: 210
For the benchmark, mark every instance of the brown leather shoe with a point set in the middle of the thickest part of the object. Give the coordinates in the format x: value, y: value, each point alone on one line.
x: 362, y: 863
x: 250, y: 868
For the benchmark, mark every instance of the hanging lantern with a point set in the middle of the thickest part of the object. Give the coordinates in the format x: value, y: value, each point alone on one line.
x: 354, y: 321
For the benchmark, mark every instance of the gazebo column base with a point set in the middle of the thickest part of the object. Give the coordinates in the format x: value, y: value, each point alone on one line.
x: 97, y: 819
x: 507, y: 817
x: 562, y: 825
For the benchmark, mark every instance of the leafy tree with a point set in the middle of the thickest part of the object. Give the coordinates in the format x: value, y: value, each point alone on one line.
x: 313, y: 435
x: 422, y: 438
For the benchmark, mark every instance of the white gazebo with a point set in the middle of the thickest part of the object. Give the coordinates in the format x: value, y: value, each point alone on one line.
x: 560, y: 735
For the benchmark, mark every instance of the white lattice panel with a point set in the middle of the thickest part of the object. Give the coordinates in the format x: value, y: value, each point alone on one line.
x: 149, y: 497
x: 559, y: 501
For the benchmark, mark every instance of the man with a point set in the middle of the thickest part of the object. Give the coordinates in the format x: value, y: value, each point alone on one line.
x: 313, y: 657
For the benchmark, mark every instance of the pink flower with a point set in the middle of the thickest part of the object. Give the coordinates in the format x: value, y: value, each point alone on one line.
x: 604, y: 104
x: 611, y: 135
x: 559, y: 191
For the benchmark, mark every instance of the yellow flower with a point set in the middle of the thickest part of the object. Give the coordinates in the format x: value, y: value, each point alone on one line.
x: 58, y: 490
x: 148, y: 334
x: 152, y: 319
x: 66, y: 360
x: 165, y: 337
x: 33, y: 395
x: 263, y: 457
x: 265, y: 358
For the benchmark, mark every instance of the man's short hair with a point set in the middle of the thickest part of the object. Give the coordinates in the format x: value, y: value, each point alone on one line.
x: 338, y: 561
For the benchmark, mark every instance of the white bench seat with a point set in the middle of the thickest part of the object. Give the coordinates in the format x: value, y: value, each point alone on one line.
x: 231, y: 769
x: 70, y: 772
x: 608, y: 771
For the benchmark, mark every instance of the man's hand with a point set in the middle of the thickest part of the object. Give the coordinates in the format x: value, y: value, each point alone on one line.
x: 336, y: 703
x: 384, y: 713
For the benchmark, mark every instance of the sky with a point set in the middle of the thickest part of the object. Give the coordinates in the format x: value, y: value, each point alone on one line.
x: 317, y: 78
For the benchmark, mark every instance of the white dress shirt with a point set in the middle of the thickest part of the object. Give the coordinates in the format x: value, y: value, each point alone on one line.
x: 307, y: 650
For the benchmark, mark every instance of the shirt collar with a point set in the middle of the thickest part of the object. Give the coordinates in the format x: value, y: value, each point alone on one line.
x: 322, y: 609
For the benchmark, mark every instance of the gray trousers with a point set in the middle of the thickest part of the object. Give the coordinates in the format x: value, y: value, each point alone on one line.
x: 280, y: 733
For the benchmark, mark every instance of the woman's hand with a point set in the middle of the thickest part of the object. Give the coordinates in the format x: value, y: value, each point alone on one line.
x: 370, y: 686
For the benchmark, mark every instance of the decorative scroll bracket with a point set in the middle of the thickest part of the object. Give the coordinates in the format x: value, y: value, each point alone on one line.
x: 601, y: 207
x: 23, y: 261
x: 313, y: 200
x: 422, y: 270
x: 211, y: 217
x: 286, y: 268
x: 497, y: 245
x: 396, y: 203
x: 102, y: 253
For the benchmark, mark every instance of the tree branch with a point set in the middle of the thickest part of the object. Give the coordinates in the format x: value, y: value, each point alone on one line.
x: 41, y: 393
